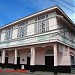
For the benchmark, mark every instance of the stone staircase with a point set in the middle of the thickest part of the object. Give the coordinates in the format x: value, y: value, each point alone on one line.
x: 73, y: 70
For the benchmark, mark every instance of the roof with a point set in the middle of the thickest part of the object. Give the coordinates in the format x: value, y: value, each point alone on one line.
x: 54, y: 8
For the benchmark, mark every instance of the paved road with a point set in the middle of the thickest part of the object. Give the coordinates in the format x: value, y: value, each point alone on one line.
x: 34, y: 73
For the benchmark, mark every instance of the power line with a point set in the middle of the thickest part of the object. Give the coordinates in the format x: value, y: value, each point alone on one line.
x: 63, y: 6
x: 68, y: 3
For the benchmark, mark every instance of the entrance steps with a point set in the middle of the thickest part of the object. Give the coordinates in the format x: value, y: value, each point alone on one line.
x: 73, y: 70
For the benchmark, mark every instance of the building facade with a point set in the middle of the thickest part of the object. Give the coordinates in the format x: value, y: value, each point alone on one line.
x: 44, y: 41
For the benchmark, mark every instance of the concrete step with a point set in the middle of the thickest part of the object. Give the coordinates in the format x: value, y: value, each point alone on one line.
x: 73, y: 70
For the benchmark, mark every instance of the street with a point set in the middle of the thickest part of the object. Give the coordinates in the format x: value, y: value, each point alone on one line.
x: 34, y: 73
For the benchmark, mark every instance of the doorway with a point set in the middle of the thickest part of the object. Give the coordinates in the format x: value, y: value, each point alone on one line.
x: 49, y: 61
x: 28, y: 60
x: 6, y: 61
x: 28, y: 63
x: 18, y: 63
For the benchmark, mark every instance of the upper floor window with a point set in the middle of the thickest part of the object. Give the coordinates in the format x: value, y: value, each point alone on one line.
x: 41, y: 17
x: 21, y: 24
x: 42, y: 26
x: 46, y: 16
x: 71, y: 35
x: 35, y: 27
x: 2, y: 36
x: 22, y: 30
x: 8, y: 33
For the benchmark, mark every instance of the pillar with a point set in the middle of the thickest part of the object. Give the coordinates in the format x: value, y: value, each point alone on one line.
x: 69, y: 61
x: 3, y: 58
x: 55, y: 58
x: 15, y: 61
x: 32, y: 61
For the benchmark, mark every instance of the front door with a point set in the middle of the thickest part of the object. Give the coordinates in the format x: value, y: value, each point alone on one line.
x: 49, y: 63
x: 6, y: 61
x: 28, y: 63
x: 18, y: 63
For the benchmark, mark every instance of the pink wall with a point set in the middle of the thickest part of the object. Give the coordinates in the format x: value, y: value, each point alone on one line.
x: 40, y: 55
x: 64, y: 57
x: 0, y: 59
x: 23, y: 55
x: 72, y: 51
x: 11, y: 56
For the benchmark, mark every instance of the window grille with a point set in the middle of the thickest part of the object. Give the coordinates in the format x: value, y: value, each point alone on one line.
x: 49, y: 53
x: 22, y: 30
x: 8, y: 34
x: 41, y: 24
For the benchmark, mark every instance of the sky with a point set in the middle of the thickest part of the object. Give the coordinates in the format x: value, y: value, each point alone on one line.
x: 11, y: 10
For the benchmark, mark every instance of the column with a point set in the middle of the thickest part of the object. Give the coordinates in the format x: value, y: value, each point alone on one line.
x: 69, y: 58
x: 55, y: 58
x: 15, y: 61
x: 3, y: 58
x: 32, y: 61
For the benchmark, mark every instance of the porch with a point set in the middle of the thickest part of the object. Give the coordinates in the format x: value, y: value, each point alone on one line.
x: 42, y: 57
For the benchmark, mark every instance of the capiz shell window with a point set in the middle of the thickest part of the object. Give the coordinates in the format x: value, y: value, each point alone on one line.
x: 14, y: 35
x: 2, y: 36
x: 30, y: 29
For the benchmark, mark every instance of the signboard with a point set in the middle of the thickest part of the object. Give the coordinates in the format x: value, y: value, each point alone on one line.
x: 43, y: 38
x: 61, y: 48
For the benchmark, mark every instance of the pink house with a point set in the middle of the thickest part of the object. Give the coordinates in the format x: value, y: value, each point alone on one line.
x: 44, y: 41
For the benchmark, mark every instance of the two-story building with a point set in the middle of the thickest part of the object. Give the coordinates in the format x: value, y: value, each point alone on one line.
x: 44, y: 41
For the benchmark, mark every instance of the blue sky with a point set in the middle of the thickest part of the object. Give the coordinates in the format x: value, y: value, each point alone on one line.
x: 11, y: 10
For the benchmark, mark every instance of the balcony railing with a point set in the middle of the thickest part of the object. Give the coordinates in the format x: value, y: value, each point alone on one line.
x: 65, y: 40
x: 37, y: 39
